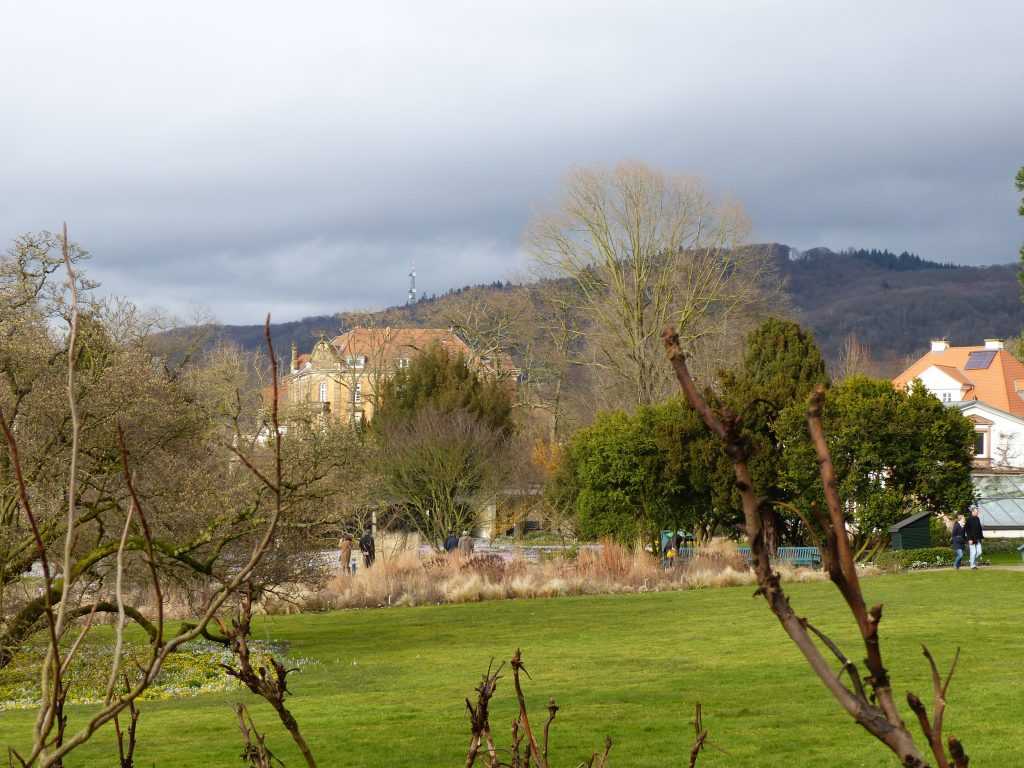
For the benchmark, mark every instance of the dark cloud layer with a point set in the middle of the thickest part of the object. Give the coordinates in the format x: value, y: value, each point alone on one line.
x: 299, y: 157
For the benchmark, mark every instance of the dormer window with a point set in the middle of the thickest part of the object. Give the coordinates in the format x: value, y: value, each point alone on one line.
x: 981, y: 444
x: 356, y: 361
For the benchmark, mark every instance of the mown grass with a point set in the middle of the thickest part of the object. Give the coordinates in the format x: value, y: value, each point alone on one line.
x: 389, y: 688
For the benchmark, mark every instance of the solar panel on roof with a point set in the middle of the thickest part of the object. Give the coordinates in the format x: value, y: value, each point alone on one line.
x: 979, y: 361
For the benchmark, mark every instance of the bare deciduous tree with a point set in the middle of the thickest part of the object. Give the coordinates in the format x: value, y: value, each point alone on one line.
x: 644, y: 250
x: 62, y: 533
x: 854, y: 359
x: 442, y: 469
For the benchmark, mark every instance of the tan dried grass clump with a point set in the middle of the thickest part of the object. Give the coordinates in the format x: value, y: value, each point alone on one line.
x: 407, y: 579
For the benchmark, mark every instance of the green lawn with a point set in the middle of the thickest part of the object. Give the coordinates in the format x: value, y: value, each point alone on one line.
x: 389, y: 688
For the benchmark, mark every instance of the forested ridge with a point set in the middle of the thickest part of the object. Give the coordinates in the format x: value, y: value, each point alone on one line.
x: 893, y: 303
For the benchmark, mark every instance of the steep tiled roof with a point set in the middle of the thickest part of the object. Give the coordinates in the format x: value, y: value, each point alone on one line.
x: 995, y: 385
x: 394, y: 343
x: 952, y: 372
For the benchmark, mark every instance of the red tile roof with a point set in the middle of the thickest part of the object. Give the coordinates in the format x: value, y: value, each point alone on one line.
x: 395, y: 343
x: 996, y: 385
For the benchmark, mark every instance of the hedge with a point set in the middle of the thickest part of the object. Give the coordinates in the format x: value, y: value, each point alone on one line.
x: 930, y: 557
x: 1000, y: 545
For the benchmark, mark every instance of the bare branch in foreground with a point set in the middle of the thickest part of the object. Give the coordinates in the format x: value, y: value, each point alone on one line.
x: 523, y: 738
x: 255, y: 752
x: 876, y: 712
x: 271, y: 687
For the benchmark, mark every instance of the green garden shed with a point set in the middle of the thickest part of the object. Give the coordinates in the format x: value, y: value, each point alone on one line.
x: 912, y: 532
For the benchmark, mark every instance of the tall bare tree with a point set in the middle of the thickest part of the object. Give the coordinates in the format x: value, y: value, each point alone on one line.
x: 443, y: 468
x: 645, y: 249
x: 854, y: 359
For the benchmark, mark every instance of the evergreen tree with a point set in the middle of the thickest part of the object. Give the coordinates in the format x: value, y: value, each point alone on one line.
x: 445, y: 382
x: 895, y: 453
x: 629, y: 476
x: 445, y: 440
x: 781, y: 367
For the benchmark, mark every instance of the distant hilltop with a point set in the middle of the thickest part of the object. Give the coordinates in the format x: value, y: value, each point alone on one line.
x: 893, y: 303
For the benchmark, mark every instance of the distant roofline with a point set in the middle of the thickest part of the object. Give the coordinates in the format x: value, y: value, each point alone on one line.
x: 964, y: 404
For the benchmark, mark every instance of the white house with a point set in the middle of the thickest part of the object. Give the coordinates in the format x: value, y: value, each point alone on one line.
x: 998, y: 435
x: 985, y: 383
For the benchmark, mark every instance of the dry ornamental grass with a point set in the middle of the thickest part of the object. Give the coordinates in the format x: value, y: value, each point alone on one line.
x: 408, y: 579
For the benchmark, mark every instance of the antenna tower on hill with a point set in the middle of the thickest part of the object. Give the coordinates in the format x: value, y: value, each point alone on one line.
x: 412, y: 286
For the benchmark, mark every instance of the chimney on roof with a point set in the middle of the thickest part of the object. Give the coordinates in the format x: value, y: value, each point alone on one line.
x: 939, y: 345
x: 993, y: 343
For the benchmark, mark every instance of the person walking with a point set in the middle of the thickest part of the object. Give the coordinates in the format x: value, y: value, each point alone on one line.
x: 466, y: 544
x: 345, y: 556
x: 959, y: 537
x: 975, y: 534
x: 451, y: 543
x: 368, y: 548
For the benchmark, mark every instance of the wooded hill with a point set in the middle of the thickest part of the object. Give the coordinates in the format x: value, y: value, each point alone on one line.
x: 893, y: 303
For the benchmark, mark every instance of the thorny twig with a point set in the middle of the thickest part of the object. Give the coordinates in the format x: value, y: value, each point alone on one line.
x: 255, y: 751
x: 700, y: 735
x: 479, y: 716
x: 126, y: 753
x: 271, y: 687
x: 522, y: 733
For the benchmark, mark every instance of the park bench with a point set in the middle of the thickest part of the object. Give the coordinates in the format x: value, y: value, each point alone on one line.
x: 688, y: 553
x: 808, y: 557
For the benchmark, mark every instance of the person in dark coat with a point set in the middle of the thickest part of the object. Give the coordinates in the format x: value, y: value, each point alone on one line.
x: 367, y: 547
x: 959, y: 538
x: 451, y: 543
x: 974, y: 536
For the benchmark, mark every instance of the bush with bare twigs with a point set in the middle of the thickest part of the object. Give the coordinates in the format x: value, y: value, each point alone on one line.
x: 530, y: 742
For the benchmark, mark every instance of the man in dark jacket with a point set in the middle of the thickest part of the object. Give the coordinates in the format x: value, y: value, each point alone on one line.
x: 451, y: 543
x: 367, y: 547
x: 974, y: 536
x: 959, y: 537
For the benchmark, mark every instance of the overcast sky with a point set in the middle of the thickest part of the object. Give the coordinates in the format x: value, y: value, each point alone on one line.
x: 298, y: 157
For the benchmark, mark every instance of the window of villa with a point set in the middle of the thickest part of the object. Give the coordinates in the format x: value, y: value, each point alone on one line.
x: 403, y: 362
x: 357, y: 393
x: 979, y: 445
x: 946, y: 397
x: 323, y: 391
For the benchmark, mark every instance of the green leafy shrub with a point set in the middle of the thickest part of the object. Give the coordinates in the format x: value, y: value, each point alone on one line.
x: 991, y: 546
x: 941, y: 535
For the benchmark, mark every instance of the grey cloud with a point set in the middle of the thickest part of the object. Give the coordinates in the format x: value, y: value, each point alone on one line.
x: 247, y: 157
